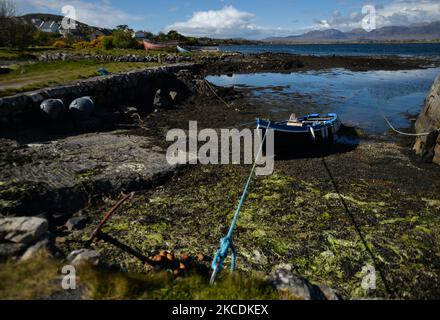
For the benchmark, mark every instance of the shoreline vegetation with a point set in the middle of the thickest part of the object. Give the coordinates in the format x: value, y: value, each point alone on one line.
x: 38, y: 75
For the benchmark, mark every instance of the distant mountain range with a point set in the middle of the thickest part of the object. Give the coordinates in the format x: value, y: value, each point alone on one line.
x: 419, y: 32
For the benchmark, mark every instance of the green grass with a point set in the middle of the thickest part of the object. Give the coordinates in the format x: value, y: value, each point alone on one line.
x: 38, y: 75
x: 117, y: 52
x: 39, y: 278
x: 163, y: 286
x: 32, y: 279
x: 27, y: 54
x: 124, y: 52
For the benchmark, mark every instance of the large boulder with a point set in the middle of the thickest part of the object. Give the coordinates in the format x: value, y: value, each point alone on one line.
x: 294, y: 286
x: 81, y: 256
x: 35, y: 250
x: 428, y: 147
x: 8, y: 250
x: 22, y: 229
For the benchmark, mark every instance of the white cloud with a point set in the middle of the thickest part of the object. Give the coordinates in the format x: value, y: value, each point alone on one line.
x: 223, y: 23
x: 398, y: 12
x: 100, y: 13
x: 408, y: 12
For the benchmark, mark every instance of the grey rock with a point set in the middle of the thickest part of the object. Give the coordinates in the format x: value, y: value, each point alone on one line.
x: 174, y: 95
x: 76, y: 223
x: 61, y: 216
x: 130, y: 110
x: 161, y: 100
x: 34, y: 250
x: 8, y: 250
x: 22, y: 229
x: 428, y: 147
x: 329, y: 293
x: 80, y: 256
x: 285, y: 280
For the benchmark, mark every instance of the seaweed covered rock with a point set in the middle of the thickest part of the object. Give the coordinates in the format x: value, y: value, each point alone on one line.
x: 428, y: 147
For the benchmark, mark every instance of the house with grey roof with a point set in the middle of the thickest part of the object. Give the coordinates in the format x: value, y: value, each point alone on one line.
x: 139, y: 35
x: 47, y: 26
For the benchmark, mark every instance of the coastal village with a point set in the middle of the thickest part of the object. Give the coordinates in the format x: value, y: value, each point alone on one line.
x: 85, y: 181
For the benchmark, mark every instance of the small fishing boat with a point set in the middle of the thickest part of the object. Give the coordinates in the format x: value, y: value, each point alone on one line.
x: 197, y: 49
x: 158, y: 46
x: 182, y: 50
x: 310, y: 128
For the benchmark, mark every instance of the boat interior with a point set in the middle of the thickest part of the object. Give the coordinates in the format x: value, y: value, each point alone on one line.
x: 295, y: 122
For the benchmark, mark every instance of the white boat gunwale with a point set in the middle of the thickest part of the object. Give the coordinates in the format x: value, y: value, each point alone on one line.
x: 333, y: 124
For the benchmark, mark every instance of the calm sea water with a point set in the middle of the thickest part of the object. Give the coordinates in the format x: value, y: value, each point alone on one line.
x: 356, y: 96
x: 404, y: 49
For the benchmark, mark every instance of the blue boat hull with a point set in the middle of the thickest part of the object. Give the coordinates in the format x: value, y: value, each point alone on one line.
x: 315, y: 133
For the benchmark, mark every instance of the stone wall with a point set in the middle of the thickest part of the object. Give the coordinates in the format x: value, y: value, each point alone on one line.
x: 135, y: 87
x: 428, y: 147
x: 160, y: 58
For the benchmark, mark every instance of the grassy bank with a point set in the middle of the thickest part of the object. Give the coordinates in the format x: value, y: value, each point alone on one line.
x: 32, y: 76
x: 27, y: 54
x: 40, y: 278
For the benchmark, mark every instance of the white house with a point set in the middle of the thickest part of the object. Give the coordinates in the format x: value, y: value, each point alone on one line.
x: 49, y: 26
x: 139, y: 35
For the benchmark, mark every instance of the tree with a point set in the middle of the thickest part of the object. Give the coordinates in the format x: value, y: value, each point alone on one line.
x: 124, y: 40
x: 106, y: 42
x: 15, y: 32
x: 149, y: 35
x: 161, y: 36
x: 7, y: 9
x: 175, y: 36
x: 122, y: 27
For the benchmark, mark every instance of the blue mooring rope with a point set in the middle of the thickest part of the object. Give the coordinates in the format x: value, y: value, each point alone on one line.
x: 226, y: 242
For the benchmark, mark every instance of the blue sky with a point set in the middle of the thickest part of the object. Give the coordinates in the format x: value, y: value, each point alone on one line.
x: 238, y: 18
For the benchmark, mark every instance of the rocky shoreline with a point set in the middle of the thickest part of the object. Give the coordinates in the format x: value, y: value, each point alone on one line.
x: 236, y: 62
x: 313, y: 217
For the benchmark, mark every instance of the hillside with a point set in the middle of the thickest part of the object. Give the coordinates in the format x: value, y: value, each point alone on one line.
x: 82, y: 28
x: 420, y: 32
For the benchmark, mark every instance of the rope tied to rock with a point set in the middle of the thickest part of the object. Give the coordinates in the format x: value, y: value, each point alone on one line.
x: 216, y: 94
x: 422, y: 134
x: 226, y: 243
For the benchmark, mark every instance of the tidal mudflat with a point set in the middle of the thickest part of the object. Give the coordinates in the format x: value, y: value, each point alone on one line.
x: 328, y: 214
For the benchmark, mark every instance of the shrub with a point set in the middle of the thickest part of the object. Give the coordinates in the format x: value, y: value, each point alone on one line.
x: 122, y: 39
x: 82, y: 45
x: 106, y: 42
x: 15, y: 33
x: 45, y: 38
x: 60, y: 44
